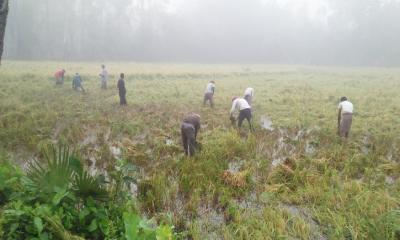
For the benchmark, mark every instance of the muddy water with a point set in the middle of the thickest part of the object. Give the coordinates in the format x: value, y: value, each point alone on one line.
x: 284, y: 149
x: 266, y: 123
x: 309, y: 148
x: 210, y: 221
x: 235, y: 166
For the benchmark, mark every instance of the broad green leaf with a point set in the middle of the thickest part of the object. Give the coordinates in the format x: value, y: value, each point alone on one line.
x: 164, y: 233
x: 44, y: 236
x: 83, y: 213
x: 14, y: 212
x: 147, y: 231
x: 38, y: 224
x: 131, y: 222
x: 61, y: 193
x: 93, y: 225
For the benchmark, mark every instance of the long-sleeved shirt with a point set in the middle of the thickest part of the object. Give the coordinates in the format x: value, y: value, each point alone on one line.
x: 121, y: 85
x: 104, y: 75
x: 77, y: 82
x: 249, y: 91
x: 193, y: 119
x: 239, y: 104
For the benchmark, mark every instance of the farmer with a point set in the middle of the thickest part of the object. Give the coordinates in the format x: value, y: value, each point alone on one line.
x: 104, y: 77
x: 189, y: 128
x: 59, y: 75
x: 77, y: 83
x: 248, y: 95
x: 122, y: 90
x: 345, y: 117
x: 209, y: 93
x: 244, y: 109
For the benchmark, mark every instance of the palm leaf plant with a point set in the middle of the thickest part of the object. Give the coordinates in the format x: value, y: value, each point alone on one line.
x: 85, y: 186
x: 62, y: 172
x: 52, y: 175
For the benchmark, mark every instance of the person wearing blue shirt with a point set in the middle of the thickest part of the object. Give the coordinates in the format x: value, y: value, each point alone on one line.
x: 77, y: 83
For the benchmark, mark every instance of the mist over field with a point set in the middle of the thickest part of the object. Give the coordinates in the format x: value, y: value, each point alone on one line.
x: 326, y: 32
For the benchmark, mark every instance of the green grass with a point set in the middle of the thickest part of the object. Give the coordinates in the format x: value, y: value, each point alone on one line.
x: 340, y: 191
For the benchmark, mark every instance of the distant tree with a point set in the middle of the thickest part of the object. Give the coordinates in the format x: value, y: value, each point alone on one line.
x: 3, y: 22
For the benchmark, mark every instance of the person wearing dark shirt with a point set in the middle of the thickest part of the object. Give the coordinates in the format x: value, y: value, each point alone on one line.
x: 189, y: 129
x: 77, y: 83
x: 122, y: 90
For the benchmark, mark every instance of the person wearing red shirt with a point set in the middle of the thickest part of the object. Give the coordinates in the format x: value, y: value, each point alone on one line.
x: 59, y: 75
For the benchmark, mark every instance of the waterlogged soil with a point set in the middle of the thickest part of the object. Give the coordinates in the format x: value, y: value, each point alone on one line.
x: 303, y: 213
x: 210, y: 221
x: 286, y: 144
x: 266, y: 123
x: 209, y: 218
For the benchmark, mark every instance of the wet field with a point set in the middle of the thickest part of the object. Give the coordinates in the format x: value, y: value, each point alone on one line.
x: 292, y: 178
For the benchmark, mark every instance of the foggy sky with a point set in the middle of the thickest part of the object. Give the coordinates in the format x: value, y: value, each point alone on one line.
x: 329, y: 32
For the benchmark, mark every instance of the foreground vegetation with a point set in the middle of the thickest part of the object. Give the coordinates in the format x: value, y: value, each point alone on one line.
x: 295, y: 181
x: 58, y: 199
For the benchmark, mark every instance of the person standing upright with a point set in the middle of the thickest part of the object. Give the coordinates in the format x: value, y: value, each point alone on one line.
x: 209, y: 93
x: 345, y: 117
x: 103, y: 77
x: 248, y: 95
x: 59, y: 75
x: 122, y: 90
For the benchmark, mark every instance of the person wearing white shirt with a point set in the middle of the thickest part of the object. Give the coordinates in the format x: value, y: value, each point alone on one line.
x: 345, y: 117
x: 249, y: 94
x: 209, y: 94
x: 241, y: 105
x: 104, y: 77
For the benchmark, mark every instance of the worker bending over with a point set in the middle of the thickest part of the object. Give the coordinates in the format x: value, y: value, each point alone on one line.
x: 59, y: 75
x: 241, y: 105
x: 248, y: 95
x: 345, y: 117
x: 189, y: 128
x: 77, y: 83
